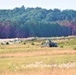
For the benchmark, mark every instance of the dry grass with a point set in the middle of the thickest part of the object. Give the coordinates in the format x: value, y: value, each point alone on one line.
x: 14, y: 58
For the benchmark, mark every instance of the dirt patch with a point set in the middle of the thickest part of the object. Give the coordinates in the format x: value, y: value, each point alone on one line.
x: 51, y: 71
x: 37, y: 53
x: 54, y: 71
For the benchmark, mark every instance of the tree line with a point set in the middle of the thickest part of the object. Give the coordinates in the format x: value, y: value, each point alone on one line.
x: 31, y: 22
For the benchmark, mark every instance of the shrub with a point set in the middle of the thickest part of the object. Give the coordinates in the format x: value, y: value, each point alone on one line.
x: 7, y: 43
x: 24, y: 43
x: 74, y: 48
x: 32, y: 43
x: 61, y: 46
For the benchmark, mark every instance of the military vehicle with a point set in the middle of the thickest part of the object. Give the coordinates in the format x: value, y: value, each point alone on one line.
x: 49, y: 43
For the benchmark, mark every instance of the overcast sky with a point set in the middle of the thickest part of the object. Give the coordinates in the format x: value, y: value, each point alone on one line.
x: 48, y: 4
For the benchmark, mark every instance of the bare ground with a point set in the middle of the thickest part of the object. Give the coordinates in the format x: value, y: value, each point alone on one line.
x: 51, y: 52
x: 51, y: 71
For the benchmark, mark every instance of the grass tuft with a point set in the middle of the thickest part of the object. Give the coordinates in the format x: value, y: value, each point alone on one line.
x: 61, y: 46
x: 74, y: 48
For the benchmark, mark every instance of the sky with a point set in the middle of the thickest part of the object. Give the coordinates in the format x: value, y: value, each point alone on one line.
x: 47, y: 4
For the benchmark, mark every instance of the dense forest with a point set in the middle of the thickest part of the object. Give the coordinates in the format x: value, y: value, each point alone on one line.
x: 31, y: 22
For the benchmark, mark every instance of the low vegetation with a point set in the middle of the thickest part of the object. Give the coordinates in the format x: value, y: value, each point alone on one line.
x: 28, y: 57
x: 74, y: 48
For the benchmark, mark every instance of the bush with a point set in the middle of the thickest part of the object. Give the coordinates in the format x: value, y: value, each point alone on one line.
x: 61, y: 46
x: 32, y: 43
x: 24, y: 43
x: 74, y: 48
x: 7, y: 43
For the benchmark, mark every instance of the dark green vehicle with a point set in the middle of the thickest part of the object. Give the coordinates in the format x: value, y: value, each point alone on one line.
x: 49, y: 43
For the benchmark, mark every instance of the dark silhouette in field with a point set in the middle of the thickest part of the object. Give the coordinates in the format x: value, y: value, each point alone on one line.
x: 49, y: 43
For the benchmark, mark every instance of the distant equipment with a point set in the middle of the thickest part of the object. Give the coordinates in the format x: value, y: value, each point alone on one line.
x: 48, y: 43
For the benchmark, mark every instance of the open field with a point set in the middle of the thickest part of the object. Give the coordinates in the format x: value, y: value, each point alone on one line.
x: 29, y: 58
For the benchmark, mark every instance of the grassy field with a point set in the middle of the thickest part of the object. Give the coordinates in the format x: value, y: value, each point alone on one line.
x: 29, y: 58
